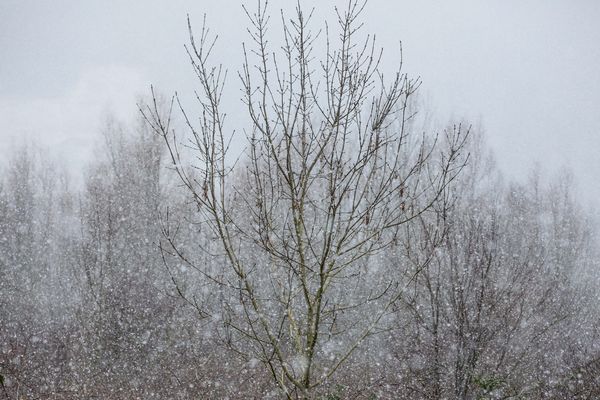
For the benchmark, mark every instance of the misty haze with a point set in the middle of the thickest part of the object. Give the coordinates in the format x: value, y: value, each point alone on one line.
x: 299, y: 200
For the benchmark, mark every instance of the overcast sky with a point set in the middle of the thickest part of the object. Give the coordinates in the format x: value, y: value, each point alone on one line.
x: 529, y: 71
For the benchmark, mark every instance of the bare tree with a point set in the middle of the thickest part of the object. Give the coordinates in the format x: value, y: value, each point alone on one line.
x: 330, y: 174
x: 29, y: 269
x: 500, y: 291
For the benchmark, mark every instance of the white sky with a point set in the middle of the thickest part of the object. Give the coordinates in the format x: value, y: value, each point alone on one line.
x: 528, y: 70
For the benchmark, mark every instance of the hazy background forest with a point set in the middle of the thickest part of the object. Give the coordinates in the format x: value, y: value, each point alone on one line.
x: 342, y: 243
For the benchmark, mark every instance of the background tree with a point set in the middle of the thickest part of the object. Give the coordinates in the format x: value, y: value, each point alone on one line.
x: 502, y: 289
x: 31, y: 309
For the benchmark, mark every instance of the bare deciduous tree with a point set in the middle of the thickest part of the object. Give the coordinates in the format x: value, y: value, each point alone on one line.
x: 502, y: 289
x: 332, y: 171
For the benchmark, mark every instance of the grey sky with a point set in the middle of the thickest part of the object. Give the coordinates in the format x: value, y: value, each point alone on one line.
x: 528, y: 70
